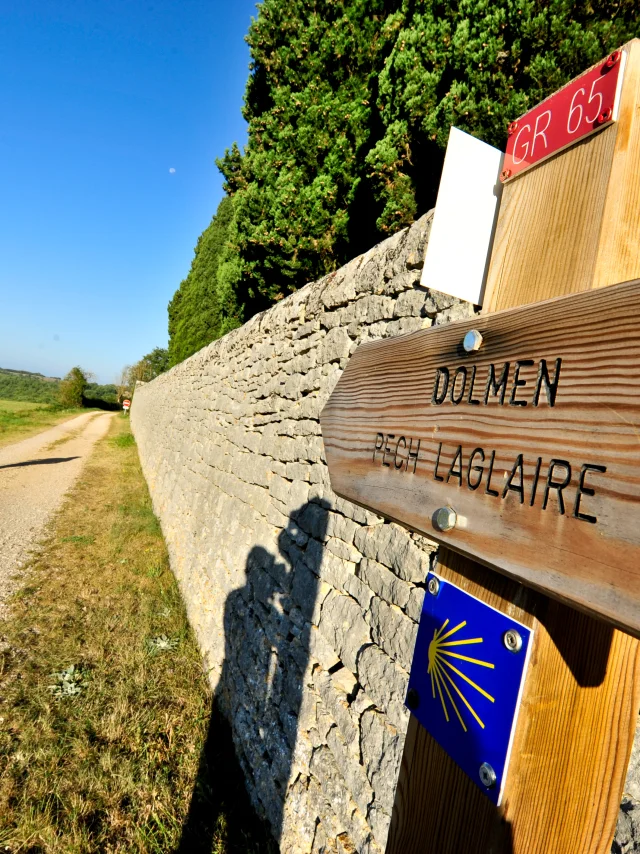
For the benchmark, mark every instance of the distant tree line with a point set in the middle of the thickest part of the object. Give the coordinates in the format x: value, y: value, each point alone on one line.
x: 349, y: 105
x: 75, y: 390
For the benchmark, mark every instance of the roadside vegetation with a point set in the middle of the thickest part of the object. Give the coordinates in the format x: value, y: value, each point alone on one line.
x: 104, y: 708
x: 21, y: 419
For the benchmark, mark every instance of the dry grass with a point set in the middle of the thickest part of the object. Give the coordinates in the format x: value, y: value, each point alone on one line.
x: 19, y: 419
x: 106, y: 757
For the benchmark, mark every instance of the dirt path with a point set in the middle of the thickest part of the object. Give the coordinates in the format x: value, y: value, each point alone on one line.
x: 34, y: 476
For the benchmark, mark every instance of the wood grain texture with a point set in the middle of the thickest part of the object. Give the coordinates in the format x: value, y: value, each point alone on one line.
x: 385, y: 399
x: 573, y: 218
x: 582, y: 692
x: 619, y: 245
x: 549, y: 225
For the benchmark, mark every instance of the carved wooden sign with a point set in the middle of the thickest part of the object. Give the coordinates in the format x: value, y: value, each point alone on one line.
x: 533, y: 441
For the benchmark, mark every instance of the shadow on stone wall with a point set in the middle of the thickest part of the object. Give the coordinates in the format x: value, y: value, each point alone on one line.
x: 267, y: 636
x: 220, y: 816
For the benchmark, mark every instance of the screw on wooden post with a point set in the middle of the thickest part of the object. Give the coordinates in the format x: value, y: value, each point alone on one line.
x: 570, y: 224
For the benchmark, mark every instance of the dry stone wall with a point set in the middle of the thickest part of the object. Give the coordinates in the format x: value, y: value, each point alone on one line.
x: 305, y: 606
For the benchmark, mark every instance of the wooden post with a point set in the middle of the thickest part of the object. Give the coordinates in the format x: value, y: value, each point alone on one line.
x: 567, y: 225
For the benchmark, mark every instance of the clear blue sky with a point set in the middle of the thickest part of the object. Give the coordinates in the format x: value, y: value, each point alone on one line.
x: 98, y: 102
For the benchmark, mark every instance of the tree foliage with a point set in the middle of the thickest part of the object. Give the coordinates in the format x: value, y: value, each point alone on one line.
x: 72, y: 388
x: 478, y: 66
x: 349, y: 105
x: 301, y: 194
x: 29, y: 386
x: 146, y: 369
x: 202, y: 308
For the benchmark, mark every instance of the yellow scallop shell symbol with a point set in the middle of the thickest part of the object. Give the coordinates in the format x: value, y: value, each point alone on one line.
x: 446, y: 677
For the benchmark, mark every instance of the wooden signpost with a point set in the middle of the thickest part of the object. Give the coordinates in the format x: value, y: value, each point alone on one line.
x: 529, y: 446
x: 532, y: 440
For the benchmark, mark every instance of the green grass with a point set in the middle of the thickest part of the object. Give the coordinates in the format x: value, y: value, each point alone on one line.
x: 21, y: 419
x: 124, y: 440
x: 104, y: 708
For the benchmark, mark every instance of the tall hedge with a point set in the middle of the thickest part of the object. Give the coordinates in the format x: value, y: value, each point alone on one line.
x: 201, y: 309
x: 349, y: 105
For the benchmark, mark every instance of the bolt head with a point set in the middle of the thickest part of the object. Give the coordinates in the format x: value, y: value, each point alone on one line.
x: 445, y: 518
x: 506, y: 173
x: 413, y: 699
x: 512, y: 640
x: 487, y: 775
x: 472, y: 340
x: 604, y: 116
x: 433, y: 586
x: 612, y: 59
x: 512, y: 128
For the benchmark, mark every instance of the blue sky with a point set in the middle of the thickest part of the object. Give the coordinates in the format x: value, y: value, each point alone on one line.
x: 98, y: 102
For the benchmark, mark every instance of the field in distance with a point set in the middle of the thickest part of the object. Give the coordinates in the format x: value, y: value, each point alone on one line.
x: 20, y: 419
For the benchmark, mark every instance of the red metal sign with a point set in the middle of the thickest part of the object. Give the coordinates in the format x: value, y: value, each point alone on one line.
x: 585, y: 105
x: 126, y: 404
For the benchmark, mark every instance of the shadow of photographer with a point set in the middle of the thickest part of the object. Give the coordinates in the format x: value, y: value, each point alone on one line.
x: 258, y: 698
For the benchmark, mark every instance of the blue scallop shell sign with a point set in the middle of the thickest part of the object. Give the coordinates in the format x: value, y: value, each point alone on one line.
x: 466, y: 681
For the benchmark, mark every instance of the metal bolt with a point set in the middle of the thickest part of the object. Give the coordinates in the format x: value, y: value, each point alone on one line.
x: 604, y: 116
x: 445, y: 518
x: 487, y: 775
x: 472, y: 341
x: 513, y: 640
x: 612, y: 60
x: 506, y: 173
x: 433, y: 586
x: 512, y: 128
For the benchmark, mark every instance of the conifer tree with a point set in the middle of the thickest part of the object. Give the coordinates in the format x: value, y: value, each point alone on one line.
x: 478, y: 66
x: 201, y: 309
x: 349, y: 105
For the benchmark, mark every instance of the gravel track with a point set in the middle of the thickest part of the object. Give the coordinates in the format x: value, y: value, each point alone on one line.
x: 35, y: 474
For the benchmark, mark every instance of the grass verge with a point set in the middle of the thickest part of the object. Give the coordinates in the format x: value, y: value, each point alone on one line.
x: 104, y: 709
x: 19, y: 419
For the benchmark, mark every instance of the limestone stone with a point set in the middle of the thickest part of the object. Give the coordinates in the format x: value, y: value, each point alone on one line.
x: 392, y: 546
x: 337, y: 706
x: 341, y: 527
x: 292, y: 494
x: 413, y: 608
x: 632, y: 783
x: 344, y: 681
x: 393, y: 631
x: 322, y: 650
x: 354, y: 774
x: 335, y: 346
x: 343, y: 625
x: 343, y: 550
x: 384, y: 583
x: 381, y: 746
x: 410, y: 303
x: 360, y: 592
x: 627, y: 835
x: 385, y: 682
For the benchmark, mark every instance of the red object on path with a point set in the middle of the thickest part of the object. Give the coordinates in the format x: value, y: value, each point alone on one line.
x: 585, y: 105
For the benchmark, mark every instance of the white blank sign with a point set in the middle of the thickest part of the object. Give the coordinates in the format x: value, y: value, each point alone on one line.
x: 464, y: 221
